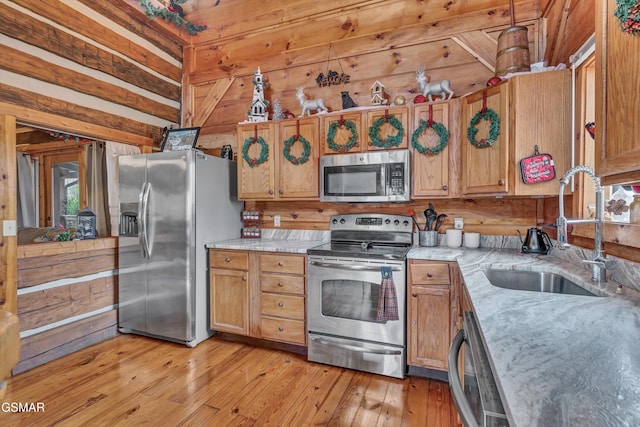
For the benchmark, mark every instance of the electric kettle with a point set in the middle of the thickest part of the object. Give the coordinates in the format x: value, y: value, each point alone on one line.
x: 536, y: 242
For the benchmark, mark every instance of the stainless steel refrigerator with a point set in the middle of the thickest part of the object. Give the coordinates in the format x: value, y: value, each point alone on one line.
x: 171, y: 205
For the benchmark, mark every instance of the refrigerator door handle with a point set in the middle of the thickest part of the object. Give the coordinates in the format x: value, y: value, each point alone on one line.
x: 143, y: 198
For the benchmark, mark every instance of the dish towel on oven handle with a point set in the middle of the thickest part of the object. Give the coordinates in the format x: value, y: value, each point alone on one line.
x: 387, y: 299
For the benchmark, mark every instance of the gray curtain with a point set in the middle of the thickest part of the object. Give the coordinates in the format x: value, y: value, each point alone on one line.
x: 96, y: 181
x: 26, y: 197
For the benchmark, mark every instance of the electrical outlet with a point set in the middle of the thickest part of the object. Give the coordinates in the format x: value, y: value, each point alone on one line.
x: 458, y: 223
x: 276, y: 220
x: 9, y: 227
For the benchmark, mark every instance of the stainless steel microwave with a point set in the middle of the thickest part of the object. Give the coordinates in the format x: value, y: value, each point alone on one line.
x: 381, y: 176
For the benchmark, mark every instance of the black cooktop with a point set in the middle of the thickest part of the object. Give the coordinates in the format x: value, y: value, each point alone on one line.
x: 373, y: 250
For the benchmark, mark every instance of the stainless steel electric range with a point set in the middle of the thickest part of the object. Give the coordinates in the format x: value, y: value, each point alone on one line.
x: 346, y: 276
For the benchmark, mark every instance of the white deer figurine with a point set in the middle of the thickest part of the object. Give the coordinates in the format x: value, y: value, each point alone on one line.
x: 309, y: 104
x: 441, y: 87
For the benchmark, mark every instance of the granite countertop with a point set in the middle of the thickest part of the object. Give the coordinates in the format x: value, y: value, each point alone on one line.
x: 559, y: 360
x: 267, y: 245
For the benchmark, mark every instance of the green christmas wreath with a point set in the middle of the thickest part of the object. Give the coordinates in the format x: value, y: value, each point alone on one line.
x: 391, y: 140
x: 353, y: 139
x: 306, y: 147
x: 494, y: 129
x: 264, y: 151
x: 628, y: 13
x: 171, y: 15
x: 438, y: 128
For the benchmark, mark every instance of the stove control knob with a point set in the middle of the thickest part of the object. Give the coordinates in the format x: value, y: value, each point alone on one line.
x: 405, y: 223
x: 342, y: 221
x: 396, y: 222
x: 387, y: 221
x: 334, y: 221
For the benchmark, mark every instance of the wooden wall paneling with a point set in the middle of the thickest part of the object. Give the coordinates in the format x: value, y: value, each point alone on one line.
x: 134, y: 20
x: 499, y: 216
x: 74, y: 20
x: 479, y: 44
x: 50, y: 345
x: 27, y: 65
x: 41, y: 103
x: 8, y: 212
x: 351, y: 17
x: 307, y: 42
x: 51, y: 305
x: 30, y: 30
x: 569, y: 26
x: 211, y: 101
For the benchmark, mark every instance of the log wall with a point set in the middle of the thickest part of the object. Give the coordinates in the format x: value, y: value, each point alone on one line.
x: 67, y: 297
x: 88, y: 72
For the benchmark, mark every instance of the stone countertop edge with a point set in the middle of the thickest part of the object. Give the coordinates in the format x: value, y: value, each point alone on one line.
x: 267, y: 245
x: 559, y: 360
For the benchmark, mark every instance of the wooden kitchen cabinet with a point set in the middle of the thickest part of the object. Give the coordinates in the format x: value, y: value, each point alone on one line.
x: 617, y: 107
x: 432, y: 314
x: 278, y: 177
x: 401, y: 114
x: 229, y: 291
x: 347, y: 126
x: 534, y: 110
x: 436, y: 175
x: 282, y: 298
x: 258, y: 294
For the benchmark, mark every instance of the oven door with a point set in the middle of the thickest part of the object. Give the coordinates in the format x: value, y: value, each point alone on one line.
x: 342, y: 302
x: 343, y: 299
x: 476, y: 394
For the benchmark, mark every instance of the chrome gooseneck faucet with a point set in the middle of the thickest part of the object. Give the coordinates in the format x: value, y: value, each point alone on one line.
x: 598, y: 263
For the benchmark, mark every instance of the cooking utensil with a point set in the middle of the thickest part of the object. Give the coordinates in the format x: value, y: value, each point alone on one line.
x: 410, y: 212
x: 431, y: 215
x: 439, y: 220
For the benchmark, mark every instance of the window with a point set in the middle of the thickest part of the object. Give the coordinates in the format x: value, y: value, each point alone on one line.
x: 64, y: 185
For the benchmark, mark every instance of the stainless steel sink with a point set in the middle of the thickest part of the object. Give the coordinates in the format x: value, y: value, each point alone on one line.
x: 535, y: 281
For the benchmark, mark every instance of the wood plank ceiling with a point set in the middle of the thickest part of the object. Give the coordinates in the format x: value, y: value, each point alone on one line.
x: 293, y: 41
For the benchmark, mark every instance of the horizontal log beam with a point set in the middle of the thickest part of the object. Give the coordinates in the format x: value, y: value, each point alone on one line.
x: 41, y: 103
x: 27, y: 65
x: 25, y: 28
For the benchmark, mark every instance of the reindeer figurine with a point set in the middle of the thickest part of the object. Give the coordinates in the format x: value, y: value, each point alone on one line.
x: 427, y: 89
x: 309, y: 104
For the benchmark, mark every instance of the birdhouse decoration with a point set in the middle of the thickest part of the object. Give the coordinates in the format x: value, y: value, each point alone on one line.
x: 258, y: 111
x: 377, y: 94
x: 86, y: 225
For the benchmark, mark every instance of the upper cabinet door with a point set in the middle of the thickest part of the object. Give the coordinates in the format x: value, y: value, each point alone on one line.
x: 297, y: 168
x: 617, y: 106
x: 485, y: 169
x: 343, y: 133
x: 256, y: 172
x: 389, y: 127
x: 435, y: 160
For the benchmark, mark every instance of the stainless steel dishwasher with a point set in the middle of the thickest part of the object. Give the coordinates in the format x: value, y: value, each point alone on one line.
x: 475, y: 395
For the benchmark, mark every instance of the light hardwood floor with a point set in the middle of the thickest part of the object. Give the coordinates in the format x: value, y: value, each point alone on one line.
x: 132, y: 380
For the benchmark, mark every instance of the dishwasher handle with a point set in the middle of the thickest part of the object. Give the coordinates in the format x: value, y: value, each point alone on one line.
x: 459, y: 399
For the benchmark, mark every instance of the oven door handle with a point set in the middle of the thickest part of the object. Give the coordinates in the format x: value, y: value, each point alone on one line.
x: 355, y: 348
x: 460, y: 400
x: 354, y: 267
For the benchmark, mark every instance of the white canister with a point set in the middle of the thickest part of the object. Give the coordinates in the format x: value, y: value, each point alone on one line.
x: 454, y: 238
x: 471, y: 240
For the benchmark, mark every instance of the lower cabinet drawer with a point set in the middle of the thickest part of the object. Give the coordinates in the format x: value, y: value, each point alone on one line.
x: 279, y: 305
x: 283, y: 330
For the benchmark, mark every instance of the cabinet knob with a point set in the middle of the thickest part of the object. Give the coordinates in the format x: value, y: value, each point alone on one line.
x: 501, y: 182
x: 280, y: 284
x: 227, y: 259
x: 280, y: 191
x: 280, y: 305
x: 270, y: 191
x: 280, y: 264
x: 429, y: 274
x: 244, y: 279
x: 414, y: 295
x: 280, y: 328
x: 445, y: 188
